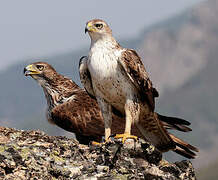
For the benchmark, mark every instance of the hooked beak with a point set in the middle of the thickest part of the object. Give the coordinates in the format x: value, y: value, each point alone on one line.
x: 30, y: 70
x: 89, y: 28
x: 86, y: 30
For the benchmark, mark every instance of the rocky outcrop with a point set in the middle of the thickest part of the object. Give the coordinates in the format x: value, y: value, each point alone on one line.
x: 35, y: 155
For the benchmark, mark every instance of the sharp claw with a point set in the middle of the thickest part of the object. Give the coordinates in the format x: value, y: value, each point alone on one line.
x: 94, y: 143
x: 125, y: 136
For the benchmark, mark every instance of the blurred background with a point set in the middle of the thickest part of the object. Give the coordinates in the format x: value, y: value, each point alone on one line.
x: 177, y: 40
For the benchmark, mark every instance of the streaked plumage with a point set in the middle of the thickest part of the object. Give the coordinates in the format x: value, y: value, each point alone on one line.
x: 71, y: 108
x: 68, y: 105
x: 116, y: 77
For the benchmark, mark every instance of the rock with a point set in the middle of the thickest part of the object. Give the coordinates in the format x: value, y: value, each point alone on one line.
x: 35, y: 155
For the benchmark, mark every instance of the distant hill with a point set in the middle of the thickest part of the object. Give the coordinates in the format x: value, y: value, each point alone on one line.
x: 177, y: 48
x: 181, y: 56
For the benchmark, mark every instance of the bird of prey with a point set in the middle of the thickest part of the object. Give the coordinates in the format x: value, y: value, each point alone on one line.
x: 72, y: 109
x: 116, y: 77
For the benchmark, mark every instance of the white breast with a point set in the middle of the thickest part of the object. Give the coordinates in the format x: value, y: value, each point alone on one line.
x: 109, y: 82
x: 102, y: 64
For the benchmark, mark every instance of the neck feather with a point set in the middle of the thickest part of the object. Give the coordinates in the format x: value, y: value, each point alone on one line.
x: 59, y: 90
x: 106, y: 41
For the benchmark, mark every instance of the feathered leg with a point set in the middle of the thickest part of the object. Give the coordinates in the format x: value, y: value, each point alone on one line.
x: 107, y: 115
x: 132, y: 111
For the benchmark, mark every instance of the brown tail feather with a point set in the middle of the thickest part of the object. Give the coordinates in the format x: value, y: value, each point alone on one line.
x: 176, y: 127
x: 184, y: 148
x: 153, y: 130
x: 184, y: 153
x: 174, y: 123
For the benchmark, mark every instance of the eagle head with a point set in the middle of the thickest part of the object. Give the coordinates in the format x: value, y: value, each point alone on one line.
x: 97, y: 28
x: 40, y: 71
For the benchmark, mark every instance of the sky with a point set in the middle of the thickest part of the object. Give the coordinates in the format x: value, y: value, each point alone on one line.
x: 38, y: 29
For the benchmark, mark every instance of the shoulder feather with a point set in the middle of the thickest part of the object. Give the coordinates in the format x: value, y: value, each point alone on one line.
x: 132, y: 65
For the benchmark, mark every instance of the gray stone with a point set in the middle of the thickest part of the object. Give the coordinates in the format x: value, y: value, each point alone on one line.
x: 35, y: 155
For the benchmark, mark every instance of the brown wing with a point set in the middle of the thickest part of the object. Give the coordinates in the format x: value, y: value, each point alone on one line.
x: 80, y: 115
x: 132, y: 65
x: 85, y: 76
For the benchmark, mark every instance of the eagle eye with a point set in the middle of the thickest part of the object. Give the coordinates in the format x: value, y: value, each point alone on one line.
x: 40, y: 67
x: 99, y: 26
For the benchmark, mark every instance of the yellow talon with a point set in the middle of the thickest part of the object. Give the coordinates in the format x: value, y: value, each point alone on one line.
x: 164, y: 163
x: 125, y: 136
x: 97, y: 143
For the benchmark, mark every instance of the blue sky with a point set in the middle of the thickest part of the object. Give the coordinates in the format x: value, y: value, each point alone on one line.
x: 35, y: 29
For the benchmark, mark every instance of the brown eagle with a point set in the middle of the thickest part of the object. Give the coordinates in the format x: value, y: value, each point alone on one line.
x: 116, y: 77
x: 72, y: 109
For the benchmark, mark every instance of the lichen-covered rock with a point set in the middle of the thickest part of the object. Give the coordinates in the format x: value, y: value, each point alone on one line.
x: 35, y: 155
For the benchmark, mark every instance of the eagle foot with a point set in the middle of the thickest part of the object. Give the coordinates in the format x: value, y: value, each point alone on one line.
x: 164, y: 163
x: 125, y: 136
x: 94, y: 143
